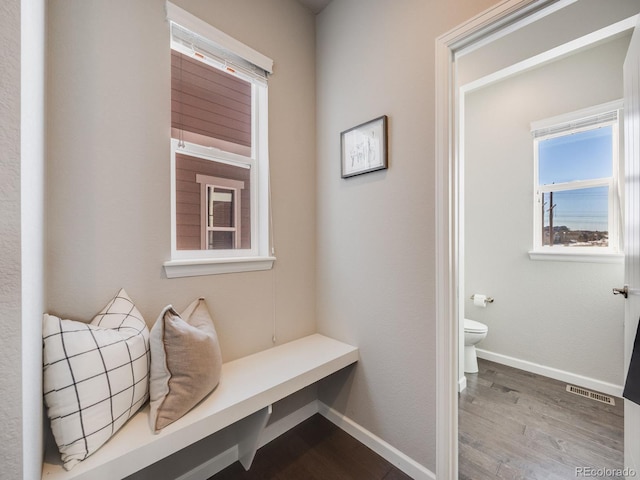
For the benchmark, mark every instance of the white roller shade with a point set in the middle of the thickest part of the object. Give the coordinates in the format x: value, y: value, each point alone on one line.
x: 189, y: 33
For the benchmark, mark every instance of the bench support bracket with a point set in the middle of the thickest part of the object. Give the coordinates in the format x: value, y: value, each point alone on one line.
x: 252, y: 429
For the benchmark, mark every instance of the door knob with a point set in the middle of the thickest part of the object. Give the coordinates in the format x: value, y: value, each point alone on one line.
x: 624, y: 291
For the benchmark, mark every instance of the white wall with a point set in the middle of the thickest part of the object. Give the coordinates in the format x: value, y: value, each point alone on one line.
x: 375, y: 261
x: 557, y: 314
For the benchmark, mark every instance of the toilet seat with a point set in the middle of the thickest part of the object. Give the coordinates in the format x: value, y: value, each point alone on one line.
x: 471, y: 326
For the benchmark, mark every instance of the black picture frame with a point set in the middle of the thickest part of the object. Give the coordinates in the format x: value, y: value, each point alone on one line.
x: 364, y: 148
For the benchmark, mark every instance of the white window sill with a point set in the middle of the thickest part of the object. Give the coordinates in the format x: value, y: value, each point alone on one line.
x: 576, y: 256
x: 216, y: 266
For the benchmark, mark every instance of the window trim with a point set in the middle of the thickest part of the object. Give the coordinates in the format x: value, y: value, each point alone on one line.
x: 576, y: 255
x: 185, y: 263
x: 260, y: 256
x: 613, y: 252
x: 215, y: 266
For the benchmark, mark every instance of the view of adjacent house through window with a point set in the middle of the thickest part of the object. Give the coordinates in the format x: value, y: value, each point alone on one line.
x: 218, y: 155
x: 576, y: 191
x: 221, y: 218
x: 211, y: 108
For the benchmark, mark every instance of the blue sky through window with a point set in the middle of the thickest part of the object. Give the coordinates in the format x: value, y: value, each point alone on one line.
x: 582, y: 209
x: 584, y: 155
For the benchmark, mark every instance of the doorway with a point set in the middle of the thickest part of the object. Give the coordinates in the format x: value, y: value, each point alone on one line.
x: 519, y: 16
x: 553, y: 307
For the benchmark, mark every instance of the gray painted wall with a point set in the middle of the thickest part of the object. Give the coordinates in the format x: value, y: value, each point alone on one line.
x: 557, y: 314
x: 376, y: 232
x: 108, y: 182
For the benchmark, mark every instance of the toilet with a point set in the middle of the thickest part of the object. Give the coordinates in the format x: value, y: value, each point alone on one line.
x: 474, y: 332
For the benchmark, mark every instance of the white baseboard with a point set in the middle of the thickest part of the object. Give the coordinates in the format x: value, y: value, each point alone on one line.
x: 375, y: 443
x: 462, y: 384
x: 277, y: 428
x: 561, y: 375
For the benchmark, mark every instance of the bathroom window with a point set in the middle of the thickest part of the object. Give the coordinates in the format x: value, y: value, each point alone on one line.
x: 576, y: 196
x: 219, y: 151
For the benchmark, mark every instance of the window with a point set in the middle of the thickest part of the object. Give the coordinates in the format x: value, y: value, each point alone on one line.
x: 576, y: 204
x: 219, y: 155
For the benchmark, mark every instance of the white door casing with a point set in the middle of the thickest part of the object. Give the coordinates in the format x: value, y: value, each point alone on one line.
x: 447, y: 218
x: 447, y: 221
x: 632, y: 238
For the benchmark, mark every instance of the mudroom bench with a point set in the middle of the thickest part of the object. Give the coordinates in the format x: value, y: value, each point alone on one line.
x: 248, y: 387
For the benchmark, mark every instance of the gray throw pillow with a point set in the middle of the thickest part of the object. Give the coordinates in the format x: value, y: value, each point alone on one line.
x: 186, y: 362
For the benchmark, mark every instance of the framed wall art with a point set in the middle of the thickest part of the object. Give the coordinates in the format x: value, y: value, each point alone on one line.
x: 364, y: 148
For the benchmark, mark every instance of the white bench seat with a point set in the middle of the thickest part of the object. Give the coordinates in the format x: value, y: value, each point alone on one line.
x: 248, y: 385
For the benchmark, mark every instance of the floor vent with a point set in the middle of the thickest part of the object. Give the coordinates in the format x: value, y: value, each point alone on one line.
x: 592, y: 395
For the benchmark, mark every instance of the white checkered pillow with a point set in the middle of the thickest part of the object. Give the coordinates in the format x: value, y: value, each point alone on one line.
x: 96, y: 376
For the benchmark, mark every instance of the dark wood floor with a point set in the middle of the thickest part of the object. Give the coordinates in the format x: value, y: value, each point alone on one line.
x: 314, y: 450
x: 515, y: 424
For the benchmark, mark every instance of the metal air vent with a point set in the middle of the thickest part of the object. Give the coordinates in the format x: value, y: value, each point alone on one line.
x: 592, y: 395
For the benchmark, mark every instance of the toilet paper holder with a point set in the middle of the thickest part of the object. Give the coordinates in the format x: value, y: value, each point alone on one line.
x: 488, y: 299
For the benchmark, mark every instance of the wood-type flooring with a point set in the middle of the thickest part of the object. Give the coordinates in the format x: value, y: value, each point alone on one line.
x: 519, y: 425
x: 314, y: 450
x: 512, y: 425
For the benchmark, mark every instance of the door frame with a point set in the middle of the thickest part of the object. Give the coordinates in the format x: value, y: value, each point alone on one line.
x: 631, y: 72
x: 501, y: 19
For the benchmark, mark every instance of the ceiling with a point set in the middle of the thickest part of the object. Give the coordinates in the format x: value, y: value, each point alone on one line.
x: 315, y: 6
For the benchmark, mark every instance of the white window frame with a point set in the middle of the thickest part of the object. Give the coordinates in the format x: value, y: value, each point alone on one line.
x: 613, y: 252
x: 260, y: 256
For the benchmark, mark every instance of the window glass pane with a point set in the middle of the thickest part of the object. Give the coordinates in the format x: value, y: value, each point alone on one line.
x: 580, y: 217
x: 209, y: 107
x: 579, y: 156
x: 221, y: 207
x: 220, y: 240
x: 191, y: 227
